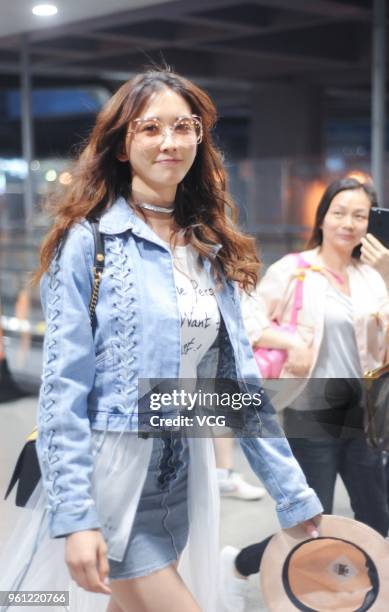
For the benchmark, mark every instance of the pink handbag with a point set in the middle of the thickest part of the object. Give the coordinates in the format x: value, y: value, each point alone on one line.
x: 271, y: 361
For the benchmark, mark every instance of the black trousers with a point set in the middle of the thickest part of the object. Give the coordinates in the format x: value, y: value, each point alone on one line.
x: 249, y: 559
x: 334, y: 449
x: 327, y: 443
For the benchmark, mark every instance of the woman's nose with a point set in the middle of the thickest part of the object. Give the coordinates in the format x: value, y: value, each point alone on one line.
x: 168, y: 140
x: 348, y: 221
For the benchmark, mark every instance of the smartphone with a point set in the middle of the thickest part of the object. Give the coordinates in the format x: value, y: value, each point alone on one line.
x: 379, y: 224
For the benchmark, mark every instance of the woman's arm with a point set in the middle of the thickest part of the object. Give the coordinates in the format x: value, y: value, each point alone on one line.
x: 271, y: 337
x: 271, y: 459
x: 300, y: 355
x: 63, y: 443
x: 273, y: 462
x: 260, y: 307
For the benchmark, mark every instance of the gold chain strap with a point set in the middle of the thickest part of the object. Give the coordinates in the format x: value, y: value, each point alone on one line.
x: 96, y: 287
x: 374, y: 374
x: 95, y: 295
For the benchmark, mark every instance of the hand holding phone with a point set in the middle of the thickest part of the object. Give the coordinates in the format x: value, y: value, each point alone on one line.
x: 376, y: 255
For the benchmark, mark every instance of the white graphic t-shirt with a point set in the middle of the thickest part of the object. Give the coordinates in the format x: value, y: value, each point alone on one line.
x: 200, y: 318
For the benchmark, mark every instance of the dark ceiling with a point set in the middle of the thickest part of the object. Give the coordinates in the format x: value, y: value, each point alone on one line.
x: 226, y: 45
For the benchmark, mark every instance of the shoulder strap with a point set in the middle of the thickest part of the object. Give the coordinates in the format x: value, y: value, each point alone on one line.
x: 302, y: 265
x: 98, y: 267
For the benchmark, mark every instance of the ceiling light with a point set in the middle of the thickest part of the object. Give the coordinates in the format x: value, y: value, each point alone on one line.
x: 50, y: 176
x: 45, y: 10
x: 65, y: 178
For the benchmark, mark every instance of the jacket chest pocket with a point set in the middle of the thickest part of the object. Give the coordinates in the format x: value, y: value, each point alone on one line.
x: 104, y: 372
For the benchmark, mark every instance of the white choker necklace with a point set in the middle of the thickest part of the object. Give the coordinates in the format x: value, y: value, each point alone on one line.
x: 158, y: 209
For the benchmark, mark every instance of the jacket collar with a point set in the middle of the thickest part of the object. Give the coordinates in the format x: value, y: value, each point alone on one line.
x: 120, y: 217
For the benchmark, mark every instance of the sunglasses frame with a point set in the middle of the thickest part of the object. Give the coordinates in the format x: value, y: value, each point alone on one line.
x: 197, y: 118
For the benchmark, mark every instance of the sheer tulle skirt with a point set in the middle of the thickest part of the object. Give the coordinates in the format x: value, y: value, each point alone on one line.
x: 31, y: 560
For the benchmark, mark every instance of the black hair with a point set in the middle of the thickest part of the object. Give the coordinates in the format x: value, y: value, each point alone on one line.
x: 344, y: 184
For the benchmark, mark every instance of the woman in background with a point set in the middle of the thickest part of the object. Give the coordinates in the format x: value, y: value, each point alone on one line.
x: 342, y: 331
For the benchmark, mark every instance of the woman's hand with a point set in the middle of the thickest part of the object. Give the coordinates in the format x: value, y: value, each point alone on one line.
x: 299, y: 358
x: 86, y: 558
x: 376, y: 255
x: 311, y: 526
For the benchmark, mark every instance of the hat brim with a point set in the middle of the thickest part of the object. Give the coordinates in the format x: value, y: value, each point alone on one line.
x: 377, y: 548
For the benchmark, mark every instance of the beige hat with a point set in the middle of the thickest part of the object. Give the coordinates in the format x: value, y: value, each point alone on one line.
x: 345, y: 570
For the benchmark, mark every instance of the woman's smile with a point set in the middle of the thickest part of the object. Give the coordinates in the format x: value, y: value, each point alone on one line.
x: 168, y: 162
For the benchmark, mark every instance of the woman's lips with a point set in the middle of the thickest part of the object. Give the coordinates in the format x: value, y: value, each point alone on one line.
x: 168, y: 162
x: 346, y: 236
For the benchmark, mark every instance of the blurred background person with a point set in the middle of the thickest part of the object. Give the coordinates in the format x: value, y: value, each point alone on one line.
x: 9, y: 390
x: 230, y: 483
x: 341, y: 333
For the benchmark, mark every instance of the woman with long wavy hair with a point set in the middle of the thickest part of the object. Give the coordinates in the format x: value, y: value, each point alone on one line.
x: 137, y: 513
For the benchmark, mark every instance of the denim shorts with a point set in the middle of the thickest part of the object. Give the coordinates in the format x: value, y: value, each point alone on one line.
x: 160, y: 529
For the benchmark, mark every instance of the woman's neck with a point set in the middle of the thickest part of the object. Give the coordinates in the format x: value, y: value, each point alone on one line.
x: 157, y: 197
x: 161, y: 223
x: 336, y: 261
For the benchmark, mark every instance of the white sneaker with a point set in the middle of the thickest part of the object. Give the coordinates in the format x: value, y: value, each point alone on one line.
x: 232, y: 589
x: 232, y: 485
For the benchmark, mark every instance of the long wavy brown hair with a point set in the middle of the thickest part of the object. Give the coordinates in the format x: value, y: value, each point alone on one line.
x: 204, y: 208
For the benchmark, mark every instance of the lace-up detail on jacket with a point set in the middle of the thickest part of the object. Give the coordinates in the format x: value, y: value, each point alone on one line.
x: 124, y: 328
x: 64, y: 436
x: 47, y: 396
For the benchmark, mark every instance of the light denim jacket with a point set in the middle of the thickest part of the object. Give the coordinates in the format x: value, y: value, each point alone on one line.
x: 90, y: 377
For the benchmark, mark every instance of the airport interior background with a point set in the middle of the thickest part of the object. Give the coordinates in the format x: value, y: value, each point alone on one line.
x: 292, y: 81
x: 300, y: 87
